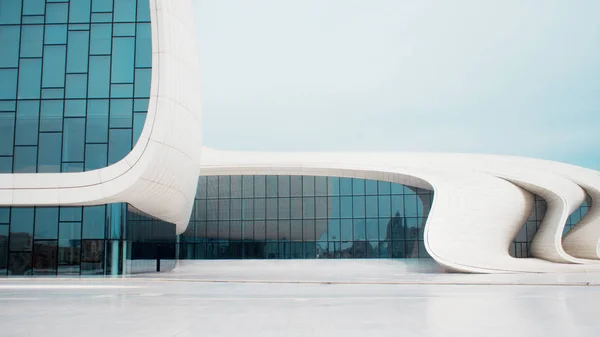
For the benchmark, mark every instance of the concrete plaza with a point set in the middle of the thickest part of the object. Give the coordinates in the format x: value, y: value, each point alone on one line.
x: 303, y: 298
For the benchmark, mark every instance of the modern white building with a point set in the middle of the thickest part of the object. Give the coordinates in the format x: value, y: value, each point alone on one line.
x: 103, y: 164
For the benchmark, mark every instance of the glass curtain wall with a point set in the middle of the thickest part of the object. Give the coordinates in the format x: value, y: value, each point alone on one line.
x: 74, y: 91
x: 305, y: 217
x: 521, y: 246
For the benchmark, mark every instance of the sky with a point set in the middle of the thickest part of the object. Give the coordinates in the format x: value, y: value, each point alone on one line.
x: 513, y: 77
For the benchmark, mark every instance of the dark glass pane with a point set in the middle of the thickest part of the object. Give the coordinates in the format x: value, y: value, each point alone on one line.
x: 27, y: 124
x: 296, y: 208
x: 373, y: 229
x: 19, y: 263
x: 236, y: 186
x: 346, y: 207
x: 308, y: 207
x: 223, y: 209
x: 45, y: 254
x: 92, y: 257
x: 25, y: 159
x: 248, y: 186
x: 50, y: 152
x: 73, y: 139
x: 70, y: 213
x: 259, y: 186
x: 321, y: 207
x: 46, y: 223
x: 212, y: 187
x: 119, y: 144
x: 296, y: 185
x: 96, y: 156
x: 284, y: 186
x: 271, y: 186
x: 284, y: 208
x: 94, y: 222
x: 272, y: 208
x: 7, y: 129
x: 21, y: 228
x: 224, y: 186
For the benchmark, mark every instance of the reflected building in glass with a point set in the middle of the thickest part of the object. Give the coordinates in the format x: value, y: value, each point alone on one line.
x: 305, y: 217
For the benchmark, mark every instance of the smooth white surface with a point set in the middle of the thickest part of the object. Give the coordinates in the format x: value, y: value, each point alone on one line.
x: 160, y: 174
x: 355, y: 298
x: 480, y: 201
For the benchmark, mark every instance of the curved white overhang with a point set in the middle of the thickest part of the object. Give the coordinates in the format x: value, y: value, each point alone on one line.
x: 480, y: 201
x: 160, y: 174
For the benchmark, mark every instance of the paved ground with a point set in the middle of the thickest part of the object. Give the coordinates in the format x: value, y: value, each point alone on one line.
x: 303, y: 298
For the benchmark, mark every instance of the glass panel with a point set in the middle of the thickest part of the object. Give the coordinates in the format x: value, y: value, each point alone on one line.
x: 94, y: 222
x: 308, y: 208
x: 50, y: 152
x: 99, y: 77
x: 19, y: 263
x: 79, y: 11
x: 358, y: 206
x: 56, y: 34
x: 54, y: 66
x: 96, y: 156
x: 308, y: 185
x: 76, y: 86
x: 122, y: 59
x: 212, y: 187
x: 371, y: 206
x: 75, y: 108
x: 30, y: 78
x: 7, y: 129
x: 345, y: 186
x: 51, y: 115
x: 100, y: 39
x: 11, y: 12
x: 32, y: 41
x: 73, y: 139
x: 346, y: 207
x: 125, y: 10
x: 8, y: 83
x: 224, y: 186
x: 77, y: 51
x: 97, y: 121
x: 9, y: 40
x: 236, y: 186
x: 248, y: 186
x: 371, y: 187
x: 25, y: 159
x: 45, y: 254
x: 271, y: 186
x: 143, y: 47
x: 119, y: 144
x: 284, y: 186
x: 21, y: 228
x: 142, y: 83
x: 321, y: 210
x: 92, y: 257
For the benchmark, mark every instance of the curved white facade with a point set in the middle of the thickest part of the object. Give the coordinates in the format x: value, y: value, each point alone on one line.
x: 160, y: 173
x: 480, y: 201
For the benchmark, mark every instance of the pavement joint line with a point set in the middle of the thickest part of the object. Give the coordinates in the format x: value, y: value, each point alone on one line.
x: 323, y: 282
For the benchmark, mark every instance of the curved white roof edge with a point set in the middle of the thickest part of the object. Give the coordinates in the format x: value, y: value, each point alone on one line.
x: 160, y: 174
x: 480, y: 201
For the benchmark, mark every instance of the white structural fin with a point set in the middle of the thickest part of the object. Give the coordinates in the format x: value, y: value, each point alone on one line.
x: 480, y: 201
x: 160, y: 174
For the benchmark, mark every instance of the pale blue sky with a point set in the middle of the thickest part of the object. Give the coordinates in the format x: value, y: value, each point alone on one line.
x: 515, y: 77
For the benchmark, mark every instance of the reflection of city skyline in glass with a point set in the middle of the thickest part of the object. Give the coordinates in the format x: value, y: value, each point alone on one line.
x: 305, y: 217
